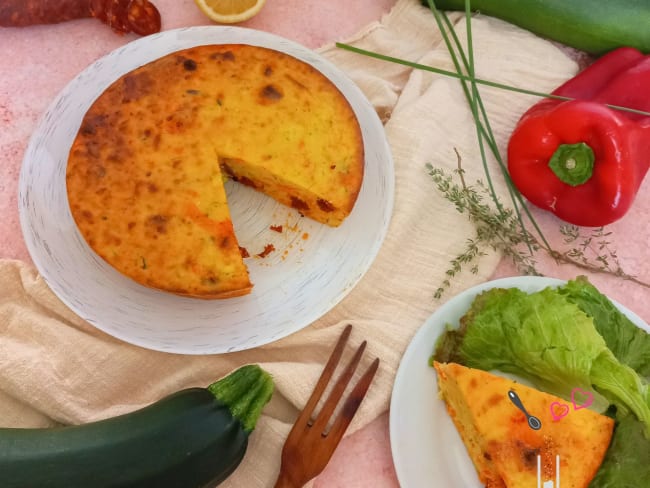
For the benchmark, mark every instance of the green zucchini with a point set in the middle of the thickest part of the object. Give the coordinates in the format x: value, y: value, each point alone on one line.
x: 193, y: 438
x: 594, y: 26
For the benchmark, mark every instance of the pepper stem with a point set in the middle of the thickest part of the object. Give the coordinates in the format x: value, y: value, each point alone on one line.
x: 573, y: 163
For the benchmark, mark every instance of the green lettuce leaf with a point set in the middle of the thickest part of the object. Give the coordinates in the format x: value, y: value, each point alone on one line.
x: 628, y: 458
x: 627, y: 461
x: 629, y: 343
x: 548, y: 340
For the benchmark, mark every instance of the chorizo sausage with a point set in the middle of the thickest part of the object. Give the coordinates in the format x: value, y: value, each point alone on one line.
x: 123, y: 16
x: 139, y: 16
x: 20, y: 13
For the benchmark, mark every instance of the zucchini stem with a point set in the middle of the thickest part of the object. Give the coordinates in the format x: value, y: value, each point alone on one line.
x: 245, y: 392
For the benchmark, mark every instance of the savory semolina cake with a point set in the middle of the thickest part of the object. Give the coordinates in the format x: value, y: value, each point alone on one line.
x: 501, y: 444
x: 146, y: 170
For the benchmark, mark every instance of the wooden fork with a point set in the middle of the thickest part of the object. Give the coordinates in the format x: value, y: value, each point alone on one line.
x: 310, y: 444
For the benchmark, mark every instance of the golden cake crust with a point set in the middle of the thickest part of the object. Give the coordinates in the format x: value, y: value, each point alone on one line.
x: 145, y: 171
x: 502, y: 445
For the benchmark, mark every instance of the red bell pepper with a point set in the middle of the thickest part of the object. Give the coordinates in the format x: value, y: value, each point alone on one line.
x: 580, y: 159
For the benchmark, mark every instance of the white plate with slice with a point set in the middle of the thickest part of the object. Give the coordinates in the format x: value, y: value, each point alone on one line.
x: 426, y: 447
x: 312, y: 268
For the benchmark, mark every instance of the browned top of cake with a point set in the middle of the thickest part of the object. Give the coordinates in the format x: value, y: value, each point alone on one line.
x: 144, y: 176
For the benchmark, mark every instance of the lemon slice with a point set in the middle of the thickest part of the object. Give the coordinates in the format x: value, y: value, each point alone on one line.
x: 230, y: 11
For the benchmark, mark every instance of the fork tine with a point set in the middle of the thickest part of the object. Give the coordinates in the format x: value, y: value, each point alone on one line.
x: 337, y: 391
x: 324, y: 379
x: 308, y: 449
x: 352, y: 403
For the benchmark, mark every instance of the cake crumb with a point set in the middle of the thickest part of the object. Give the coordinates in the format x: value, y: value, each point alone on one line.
x: 268, y: 249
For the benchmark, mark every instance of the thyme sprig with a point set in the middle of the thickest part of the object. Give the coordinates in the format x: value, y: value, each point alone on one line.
x: 503, y: 229
x: 496, y: 226
x: 499, y: 230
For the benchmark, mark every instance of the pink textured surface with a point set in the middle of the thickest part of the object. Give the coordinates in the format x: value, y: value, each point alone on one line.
x: 630, y: 238
x: 40, y: 61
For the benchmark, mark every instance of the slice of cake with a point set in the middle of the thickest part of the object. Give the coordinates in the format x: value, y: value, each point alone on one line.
x: 505, y: 449
x: 145, y: 171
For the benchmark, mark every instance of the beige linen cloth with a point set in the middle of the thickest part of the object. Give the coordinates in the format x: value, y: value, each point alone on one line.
x: 55, y: 368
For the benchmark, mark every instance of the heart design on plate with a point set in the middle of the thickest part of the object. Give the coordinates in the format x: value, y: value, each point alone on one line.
x: 559, y: 410
x: 577, y: 399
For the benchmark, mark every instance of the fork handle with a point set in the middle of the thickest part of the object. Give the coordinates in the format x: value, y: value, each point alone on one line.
x: 284, y: 482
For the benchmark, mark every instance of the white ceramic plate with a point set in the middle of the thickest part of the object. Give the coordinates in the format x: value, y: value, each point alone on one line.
x: 426, y: 447
x: 295, y: 285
